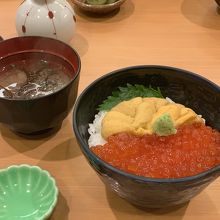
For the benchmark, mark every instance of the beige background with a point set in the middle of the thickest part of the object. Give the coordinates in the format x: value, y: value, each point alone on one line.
x: 180, y: 33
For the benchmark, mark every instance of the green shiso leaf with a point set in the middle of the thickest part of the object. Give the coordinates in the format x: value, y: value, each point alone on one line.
x: 128, y: 92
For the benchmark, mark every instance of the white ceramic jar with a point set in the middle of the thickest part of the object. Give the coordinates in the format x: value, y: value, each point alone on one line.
x: 49, y: 18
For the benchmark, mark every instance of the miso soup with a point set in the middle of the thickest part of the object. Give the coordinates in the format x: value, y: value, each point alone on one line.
x: 33, y: 74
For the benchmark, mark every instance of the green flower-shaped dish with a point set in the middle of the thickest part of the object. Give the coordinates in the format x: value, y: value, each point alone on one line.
x: 26, y: 193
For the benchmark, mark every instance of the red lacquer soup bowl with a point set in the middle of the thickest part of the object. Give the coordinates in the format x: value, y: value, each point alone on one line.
x: 38, y: 114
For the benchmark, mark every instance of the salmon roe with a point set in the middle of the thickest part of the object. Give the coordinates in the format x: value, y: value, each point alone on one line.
x: 193, y: 149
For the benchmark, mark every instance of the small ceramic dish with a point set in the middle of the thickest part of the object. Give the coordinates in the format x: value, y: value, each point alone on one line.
x: 98, y: 9
x: 26, y: 193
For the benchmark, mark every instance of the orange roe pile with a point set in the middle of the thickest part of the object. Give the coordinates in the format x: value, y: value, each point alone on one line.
x: 192, y: 150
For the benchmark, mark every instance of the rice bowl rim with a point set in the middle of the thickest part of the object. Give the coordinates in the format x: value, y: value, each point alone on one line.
x: 89, y: 154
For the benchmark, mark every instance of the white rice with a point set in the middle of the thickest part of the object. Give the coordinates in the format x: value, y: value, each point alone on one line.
x: 95, y: 130
x: 169, y: 100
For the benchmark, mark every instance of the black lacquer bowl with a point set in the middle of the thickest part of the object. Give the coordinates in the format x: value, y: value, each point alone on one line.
x: 40, y: 114
x: 181, y: 86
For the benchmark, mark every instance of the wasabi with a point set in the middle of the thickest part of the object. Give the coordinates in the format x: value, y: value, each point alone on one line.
x: 164, y: 125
